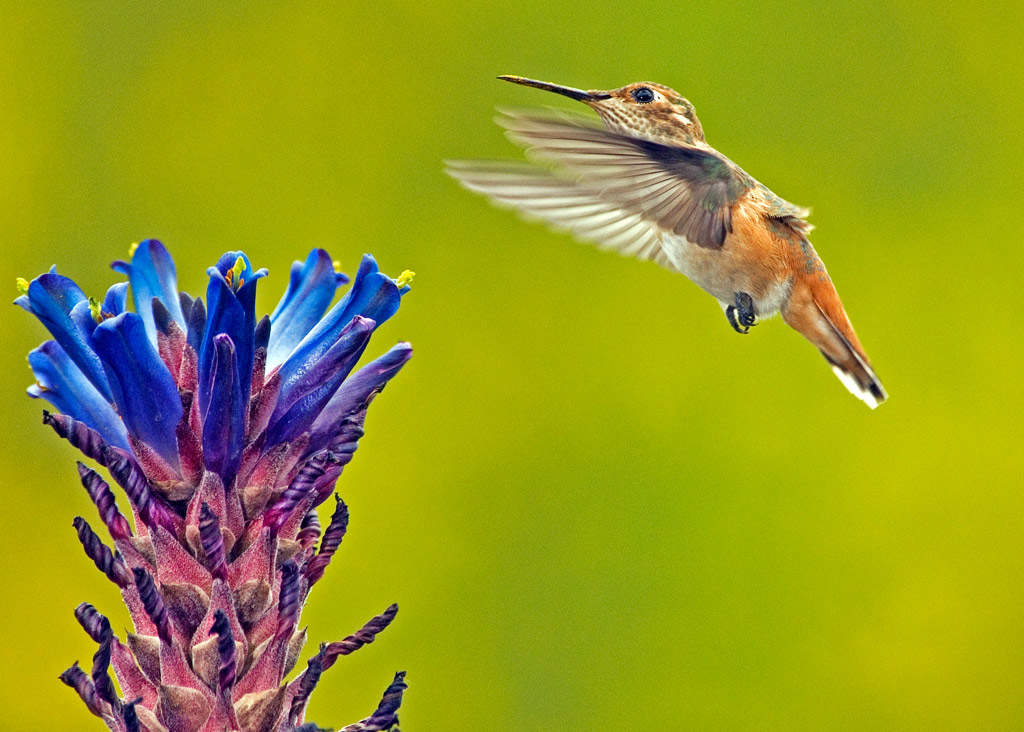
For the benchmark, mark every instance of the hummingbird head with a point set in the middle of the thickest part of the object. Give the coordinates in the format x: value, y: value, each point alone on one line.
x: 643, y: 109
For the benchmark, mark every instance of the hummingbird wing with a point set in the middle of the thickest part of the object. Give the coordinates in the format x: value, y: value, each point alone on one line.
x: 565, y: 204
x: 685, y: 190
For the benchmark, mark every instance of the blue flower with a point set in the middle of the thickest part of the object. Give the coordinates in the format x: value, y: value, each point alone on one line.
x: 61, y: 382
x: 63, y: 308
x: 185, y: 387
x: 151, y: 274
x: 143, y: 389
x: 310, y: 290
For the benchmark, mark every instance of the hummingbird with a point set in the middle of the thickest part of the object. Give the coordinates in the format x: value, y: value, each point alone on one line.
x: 647, y: 184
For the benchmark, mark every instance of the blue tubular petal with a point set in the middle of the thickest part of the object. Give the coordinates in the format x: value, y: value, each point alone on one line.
x: 246, y: 351
x: 186, y: 302
x: 25, y: 303
x: 62, y: 383
x: 372, y: 295
x: 355, y: 396
x: 196, y: 325
x: 116, y: 301
x: 224, y: 315
x: 152, y: 274
x: 310, y: 290
x: 51, y: 298
x: 232, y: 312
x: 224, y: 428
x: 143, y: 390
x: 262, y: 338
x: 304, y: 397
x: 227, y: 262
x: 81, y: 316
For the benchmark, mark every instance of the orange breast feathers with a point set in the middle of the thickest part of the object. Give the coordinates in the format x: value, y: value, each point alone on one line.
x: 757, y: 251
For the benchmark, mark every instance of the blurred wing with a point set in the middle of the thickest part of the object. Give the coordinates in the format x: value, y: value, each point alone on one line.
x: 688, y: 191
x: 564, y: 204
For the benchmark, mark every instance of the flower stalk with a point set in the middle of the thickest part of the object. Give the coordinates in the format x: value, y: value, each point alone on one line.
x: 226, y: 432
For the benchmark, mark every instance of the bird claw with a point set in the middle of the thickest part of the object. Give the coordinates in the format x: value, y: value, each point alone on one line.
x: 741, y: 315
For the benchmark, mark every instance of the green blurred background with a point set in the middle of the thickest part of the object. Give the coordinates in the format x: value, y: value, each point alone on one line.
x: 597, y: 506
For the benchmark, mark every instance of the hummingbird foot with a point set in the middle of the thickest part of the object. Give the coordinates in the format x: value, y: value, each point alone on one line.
x: 741, y: 315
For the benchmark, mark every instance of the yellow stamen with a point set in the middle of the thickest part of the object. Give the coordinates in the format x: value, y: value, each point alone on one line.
x: 95, y: 310
x: 405, y: 278
x: 22, y: 284
x: 235, y: 275
x: 131, y: 249
x: 337, y: 265
x: 40, y: 386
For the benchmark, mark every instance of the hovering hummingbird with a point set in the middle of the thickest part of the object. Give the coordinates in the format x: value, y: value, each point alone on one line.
x: 648, y: 185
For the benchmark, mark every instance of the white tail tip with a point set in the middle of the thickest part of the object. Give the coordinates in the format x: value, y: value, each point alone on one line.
x: 856, y: 389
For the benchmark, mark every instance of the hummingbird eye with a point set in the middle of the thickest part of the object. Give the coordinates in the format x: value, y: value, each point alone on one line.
x: 643, y: 95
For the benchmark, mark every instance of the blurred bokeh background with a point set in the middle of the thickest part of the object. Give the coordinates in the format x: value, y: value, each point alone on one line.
x: 598, y: 507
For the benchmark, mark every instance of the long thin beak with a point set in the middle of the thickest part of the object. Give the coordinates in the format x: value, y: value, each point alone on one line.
x: 577, y: 94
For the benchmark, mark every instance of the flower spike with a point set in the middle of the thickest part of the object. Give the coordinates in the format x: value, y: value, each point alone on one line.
x: 225, y: 431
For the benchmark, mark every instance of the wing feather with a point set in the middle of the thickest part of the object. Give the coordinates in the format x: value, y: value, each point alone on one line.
x: 567, y: 205
x: 688, y: 191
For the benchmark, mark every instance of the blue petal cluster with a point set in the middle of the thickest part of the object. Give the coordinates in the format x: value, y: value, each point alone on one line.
x: 126, y: 374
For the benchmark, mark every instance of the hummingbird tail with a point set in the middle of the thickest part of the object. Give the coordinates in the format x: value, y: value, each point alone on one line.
x: 819, y: 316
